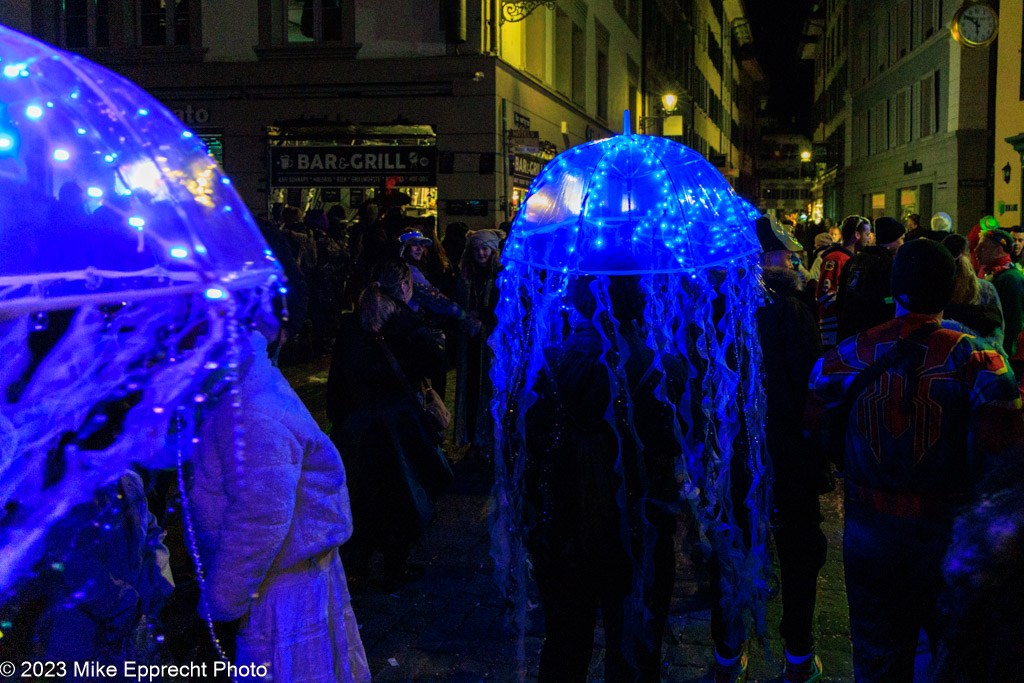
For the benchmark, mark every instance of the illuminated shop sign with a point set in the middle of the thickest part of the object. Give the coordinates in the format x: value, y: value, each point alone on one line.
x: 352, y: 166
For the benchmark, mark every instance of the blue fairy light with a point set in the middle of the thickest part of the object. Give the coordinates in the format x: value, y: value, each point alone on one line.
x: 179, y: 252
x: 656, y: 210
x: 61, y: 155
x: 33, y: 111
x: 137, y: 222
x: 94, y: 192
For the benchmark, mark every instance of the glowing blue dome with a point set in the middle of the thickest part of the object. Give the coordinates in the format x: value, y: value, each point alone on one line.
x: 630, y: 204
x: 104, y: 194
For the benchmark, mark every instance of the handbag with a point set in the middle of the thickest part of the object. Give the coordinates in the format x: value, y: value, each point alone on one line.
x: 434, y: 405
x: 430, y: 467
x: 435, y: 414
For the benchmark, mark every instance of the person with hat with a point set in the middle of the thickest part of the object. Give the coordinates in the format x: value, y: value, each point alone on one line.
x: 412, y: 245
x: 994, y: 253
x: 822, y: 241
x: 915, y: 412
x: 856, y: 232
x: 864, y: 299
x: 477, y: 292
x: 790, y: 346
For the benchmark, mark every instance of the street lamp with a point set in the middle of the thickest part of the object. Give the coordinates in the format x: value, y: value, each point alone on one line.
x: 805, y: 155
x: 668, y: 122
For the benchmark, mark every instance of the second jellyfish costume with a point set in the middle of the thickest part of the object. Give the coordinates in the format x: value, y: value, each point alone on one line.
x: 629, y: 291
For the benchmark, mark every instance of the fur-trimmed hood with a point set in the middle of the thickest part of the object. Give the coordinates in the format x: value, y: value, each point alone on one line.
x: 782, y: 282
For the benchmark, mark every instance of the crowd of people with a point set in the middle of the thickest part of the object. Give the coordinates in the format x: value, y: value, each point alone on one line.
x: 891, y: 361
x: 897, y: 360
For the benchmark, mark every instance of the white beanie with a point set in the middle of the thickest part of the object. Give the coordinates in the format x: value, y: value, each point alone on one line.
x: 942, y: 222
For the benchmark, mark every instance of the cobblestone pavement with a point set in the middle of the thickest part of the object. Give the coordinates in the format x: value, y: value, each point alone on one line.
x: 445, y: 622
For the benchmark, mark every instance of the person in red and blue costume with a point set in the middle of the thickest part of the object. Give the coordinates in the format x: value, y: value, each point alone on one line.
x: 918, y: 439
x: 857, y: 234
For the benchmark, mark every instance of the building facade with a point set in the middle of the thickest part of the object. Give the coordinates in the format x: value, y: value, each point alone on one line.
x: 700, y: 51
x: 920, y: 117
x: 903, y: 112
x: 826, y: 41
x: 1009, y: 137
x: 317, y: 102
x: 785, y: 172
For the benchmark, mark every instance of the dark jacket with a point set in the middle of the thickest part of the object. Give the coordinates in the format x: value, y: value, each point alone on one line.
x: 865, y: 297
x: 1010, y: 285
x: 574, y: 450
x: 376, y: 422
x: 790, y: 345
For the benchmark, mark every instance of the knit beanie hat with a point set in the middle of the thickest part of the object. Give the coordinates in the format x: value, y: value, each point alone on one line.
x: 888, y: 230
x: 1001, y: 237
x: 923, y: 276
x: 484, y: 238
x: 822, y: 240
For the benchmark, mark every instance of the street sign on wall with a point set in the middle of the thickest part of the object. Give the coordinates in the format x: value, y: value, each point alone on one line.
x: 345, y: 166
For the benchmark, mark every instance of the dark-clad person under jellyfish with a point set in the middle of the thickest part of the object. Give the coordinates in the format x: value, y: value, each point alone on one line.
x: 135, y: 292
x: 627, y: 388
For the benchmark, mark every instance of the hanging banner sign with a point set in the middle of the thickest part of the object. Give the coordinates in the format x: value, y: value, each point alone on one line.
x: 526, y: 167
x: 352, y: 166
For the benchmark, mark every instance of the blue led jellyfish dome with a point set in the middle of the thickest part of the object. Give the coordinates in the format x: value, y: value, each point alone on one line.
x: 104, y: 193
x: 655, y: 204
x: 131, y: 275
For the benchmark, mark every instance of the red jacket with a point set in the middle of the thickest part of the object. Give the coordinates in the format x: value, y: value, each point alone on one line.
x: 832, y: 261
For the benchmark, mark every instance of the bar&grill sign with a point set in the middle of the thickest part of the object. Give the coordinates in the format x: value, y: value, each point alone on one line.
x: 366, y: 166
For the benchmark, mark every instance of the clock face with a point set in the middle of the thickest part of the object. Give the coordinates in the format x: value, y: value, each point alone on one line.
x: 977, y: 24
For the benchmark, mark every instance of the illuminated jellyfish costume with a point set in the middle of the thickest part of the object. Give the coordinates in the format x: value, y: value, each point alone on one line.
x: 650, y: 208
x: 131, y: 275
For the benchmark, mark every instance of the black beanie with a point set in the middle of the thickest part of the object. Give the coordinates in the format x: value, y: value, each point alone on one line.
x: 888, y: 230
x: 923, y: 276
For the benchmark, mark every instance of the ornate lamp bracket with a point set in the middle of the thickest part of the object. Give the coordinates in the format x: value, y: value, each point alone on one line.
x: 517, y: 10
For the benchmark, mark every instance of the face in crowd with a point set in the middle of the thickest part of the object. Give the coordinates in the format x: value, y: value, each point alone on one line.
x: 988, y: 251
x: 778, y: 259
x: 865, y: 235
x: 481, y: 254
